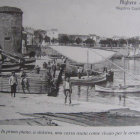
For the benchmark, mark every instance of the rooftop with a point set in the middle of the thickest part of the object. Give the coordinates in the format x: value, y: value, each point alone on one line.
x: 7, y: 9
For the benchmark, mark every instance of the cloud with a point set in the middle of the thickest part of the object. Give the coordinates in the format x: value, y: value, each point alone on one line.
x: 78, y: 16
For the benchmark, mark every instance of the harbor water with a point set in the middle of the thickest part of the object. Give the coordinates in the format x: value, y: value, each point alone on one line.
x: 132, y: 77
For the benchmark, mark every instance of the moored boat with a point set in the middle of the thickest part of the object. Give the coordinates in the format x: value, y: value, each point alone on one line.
x: 9, y: 65
x: 88, y: 80
x: 132, y: 56
x: 124, y: 89
x: 16, y: 69
x: 29, y: 60
x: 29, y: 63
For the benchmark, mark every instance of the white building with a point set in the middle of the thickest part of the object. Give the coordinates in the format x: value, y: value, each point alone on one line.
x: 30, y: 35
x: 52, y: 33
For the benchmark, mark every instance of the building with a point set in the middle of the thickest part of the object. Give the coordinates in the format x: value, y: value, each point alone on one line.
x: 11, y: 29
x: 52, y: 33
x: 74, y: 37
x: 24, y: 42
x: 30, y: 35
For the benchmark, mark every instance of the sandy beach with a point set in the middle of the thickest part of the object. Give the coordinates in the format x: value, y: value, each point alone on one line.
x: 43, y: 110
x: 40, y: 109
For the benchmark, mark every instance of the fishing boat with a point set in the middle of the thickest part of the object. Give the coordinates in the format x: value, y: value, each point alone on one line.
x: 92, y: 80
x: 120, y: 89
x: 133, y: 56
x: 13, y: 62
x: 85, y: 56
x: 123, y: 89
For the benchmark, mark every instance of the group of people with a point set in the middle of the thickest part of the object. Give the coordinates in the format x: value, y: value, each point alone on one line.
x: 51, y: 81
x: 51, y: 67
x: 13, y: 82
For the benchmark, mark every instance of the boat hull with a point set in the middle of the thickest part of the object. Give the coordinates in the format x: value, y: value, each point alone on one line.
x: 9, y: 65
x: 92, y: 80
x: 16, y: 69
x: 29, y: 60
x: 128, y: 89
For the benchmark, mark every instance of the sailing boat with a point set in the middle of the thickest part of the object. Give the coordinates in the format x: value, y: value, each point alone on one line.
x: 86, y: 80
x: 84, y: 56
x: 125, y: 89
x: 120, y: 89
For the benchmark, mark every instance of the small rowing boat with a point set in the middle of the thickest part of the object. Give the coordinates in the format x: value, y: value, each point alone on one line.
x: 124, y: 89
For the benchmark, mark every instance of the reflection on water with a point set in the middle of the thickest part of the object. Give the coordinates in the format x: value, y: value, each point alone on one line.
x: 88, y: 94
x: 79, y: 91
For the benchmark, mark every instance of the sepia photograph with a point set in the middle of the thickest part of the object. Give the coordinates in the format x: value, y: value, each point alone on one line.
x: 70, y: 63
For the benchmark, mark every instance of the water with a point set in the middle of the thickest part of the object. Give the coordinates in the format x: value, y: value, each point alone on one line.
x: 131, y: 100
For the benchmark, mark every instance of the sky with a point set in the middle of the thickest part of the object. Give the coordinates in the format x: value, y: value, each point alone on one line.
x: 98, y: 17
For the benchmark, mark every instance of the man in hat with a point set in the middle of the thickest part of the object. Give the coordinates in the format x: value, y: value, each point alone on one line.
x: 13, y: 83
x: 67, y: 89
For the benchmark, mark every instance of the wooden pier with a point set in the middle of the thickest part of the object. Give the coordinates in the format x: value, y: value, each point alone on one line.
x: 37, y: 82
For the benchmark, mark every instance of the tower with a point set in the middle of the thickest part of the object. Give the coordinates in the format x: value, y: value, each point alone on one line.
x: 11, y: 29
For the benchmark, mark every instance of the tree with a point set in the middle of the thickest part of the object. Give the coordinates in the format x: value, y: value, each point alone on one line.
x: 39, y: 36
x: 47, y: 39
x: 133, y: 41
x: 90, y: 42
x: 64, y: 39
x: 78, y: 40
x: 103, y: 43
x: 109, y: 42
x: 122, y: 42
x: 54, y: 40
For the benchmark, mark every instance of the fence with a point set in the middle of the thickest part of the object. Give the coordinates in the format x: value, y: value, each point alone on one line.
x: 38, y: 85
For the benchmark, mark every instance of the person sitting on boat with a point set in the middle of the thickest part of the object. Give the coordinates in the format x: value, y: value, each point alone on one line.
x: 67, y: 90
x: 105, y: 70
x: 110, y: 75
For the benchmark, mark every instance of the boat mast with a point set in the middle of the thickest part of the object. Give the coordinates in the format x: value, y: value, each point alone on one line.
x: 87, y: 62
x: 124, y: 71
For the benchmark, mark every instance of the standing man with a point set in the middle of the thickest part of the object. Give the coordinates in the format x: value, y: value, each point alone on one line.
x: 53, y: 69
x: 79, y: 73
x: 1, y: 60
x: 67, y: 90
x: 13, y: 83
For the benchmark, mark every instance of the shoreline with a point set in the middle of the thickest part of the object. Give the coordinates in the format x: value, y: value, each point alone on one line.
x: 42, y: 108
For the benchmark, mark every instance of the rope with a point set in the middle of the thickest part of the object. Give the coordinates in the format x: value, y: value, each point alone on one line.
x: 8, y: 55
x: 116, y: 65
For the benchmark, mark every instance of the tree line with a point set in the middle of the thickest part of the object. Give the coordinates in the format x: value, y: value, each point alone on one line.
x: 119, y: 42
x: 64, y: 39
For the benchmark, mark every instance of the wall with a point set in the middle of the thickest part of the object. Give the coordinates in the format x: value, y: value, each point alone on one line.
x: 11, y: 31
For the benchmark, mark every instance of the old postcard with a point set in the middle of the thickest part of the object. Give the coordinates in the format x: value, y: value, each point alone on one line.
x: 70, y: 69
